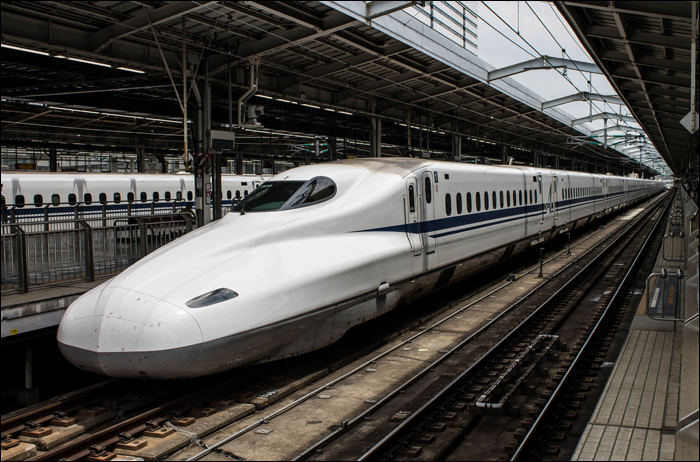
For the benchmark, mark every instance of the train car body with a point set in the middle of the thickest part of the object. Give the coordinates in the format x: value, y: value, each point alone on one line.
x: 317, y: 250
x: 28, y: 194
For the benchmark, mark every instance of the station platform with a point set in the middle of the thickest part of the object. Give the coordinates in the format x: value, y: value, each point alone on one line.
x: 648, y: 409
x: 40, y: 308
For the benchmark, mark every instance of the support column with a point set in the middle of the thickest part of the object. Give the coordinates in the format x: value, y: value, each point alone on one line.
x: 504, y: 155
x: 53, y: 160
x: 239, y: 162
x: 29, y: 395
x: 332, y: 144
x: 216, y: 161
x: 556, y: 162
x: 375, y: 137
x: 113, y: 165
x: 140, y: 159
x: 456, y: 147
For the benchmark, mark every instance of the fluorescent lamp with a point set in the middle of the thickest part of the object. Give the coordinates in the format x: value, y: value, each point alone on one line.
x: 130, y: 70
x: 88, y: 62
x: 25, y: 49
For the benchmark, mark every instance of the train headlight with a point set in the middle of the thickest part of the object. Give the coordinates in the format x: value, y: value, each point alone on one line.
x: 211, y: 298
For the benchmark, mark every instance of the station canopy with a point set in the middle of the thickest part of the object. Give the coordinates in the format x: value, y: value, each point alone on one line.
x: 108, y: 75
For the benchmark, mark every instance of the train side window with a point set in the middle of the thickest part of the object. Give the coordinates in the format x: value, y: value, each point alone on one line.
x: 531, y: 196
x: 486, y: 200
x: 245, y: 193
x: 428, y: 190
x: 156, y: 196
x: 478, y: 202
x: 189, y: 195
x: 469, y: 202
x: 238, y: 194
x: 38, y: 200
x: 507, y: 199
x: 493, y: 197
x: 55, y: 200
x: 228, y: 194
x: 535, y: 196
x: 411, y: 198
x: 520, y: 197
x: 448, y: 205
x: 19, y: 201
x: 500, y: 196
x: 87, y: 198
x: 103, y: 198
x: 459, y: 203
x: 168, y: 196
x: 178, y: 196
x: 144, y: 197
x: 515, y: 199
x: 130, y: 197
x: 117, y: 198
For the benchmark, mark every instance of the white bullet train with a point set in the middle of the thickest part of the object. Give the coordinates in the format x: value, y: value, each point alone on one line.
x: 317, y: 250
x: 27, y: 194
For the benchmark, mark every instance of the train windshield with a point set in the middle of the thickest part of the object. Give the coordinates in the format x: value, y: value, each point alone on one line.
x: 269, y: 196
x: 284, y: 195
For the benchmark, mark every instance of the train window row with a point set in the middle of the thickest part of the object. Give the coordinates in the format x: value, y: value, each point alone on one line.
x: 87, y: 198
x: 502, y: 198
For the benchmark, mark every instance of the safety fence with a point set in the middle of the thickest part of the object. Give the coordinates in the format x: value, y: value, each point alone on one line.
x: 54, y: 216
x: 60, y: 251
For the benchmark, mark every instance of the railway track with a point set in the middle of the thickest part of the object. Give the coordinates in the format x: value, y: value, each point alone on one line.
x: 150, y: 420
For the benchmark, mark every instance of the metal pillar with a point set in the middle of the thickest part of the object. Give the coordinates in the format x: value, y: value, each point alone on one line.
x: 202, y: 182
x: 216, y: 161
x: 375, y: 137
x: 504, y: 155
x: 53, y: 160
x: 140, y: 159
x: 239, y: 163
x: 332, y: 145
x: 456, y: 147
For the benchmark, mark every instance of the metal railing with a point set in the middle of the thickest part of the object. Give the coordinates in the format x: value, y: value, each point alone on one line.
x: 58, y: 251
x: 51, y: 217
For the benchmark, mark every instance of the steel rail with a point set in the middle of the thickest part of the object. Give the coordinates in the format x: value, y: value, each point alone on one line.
x: 447, y: 388
x: 49, y: 406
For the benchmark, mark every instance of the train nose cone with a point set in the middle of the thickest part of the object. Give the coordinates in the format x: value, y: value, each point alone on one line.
x: 122, y: 333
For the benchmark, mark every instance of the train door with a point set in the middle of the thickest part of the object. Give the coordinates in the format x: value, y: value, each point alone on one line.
x: 412, y: 215
x: 428, y: 213
x: 554, y: 198
x: 539, y: 188
x: 566, y: 185
x: 606, y: 205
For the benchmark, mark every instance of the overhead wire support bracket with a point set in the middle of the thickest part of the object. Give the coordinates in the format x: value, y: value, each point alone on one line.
x: 582, y: 96
x: 543, y: 62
